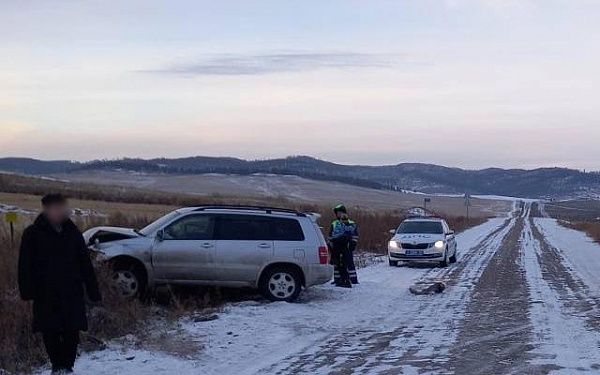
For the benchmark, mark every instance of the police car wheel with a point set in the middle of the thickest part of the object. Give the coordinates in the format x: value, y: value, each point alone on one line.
x: 444, y: 263
x: 393, y: 263
x: 281, y: 284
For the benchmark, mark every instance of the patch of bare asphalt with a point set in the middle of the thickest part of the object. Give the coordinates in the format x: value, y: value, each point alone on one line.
x: 371, y: 350
x: 574, y: 293
x: 495, y: 335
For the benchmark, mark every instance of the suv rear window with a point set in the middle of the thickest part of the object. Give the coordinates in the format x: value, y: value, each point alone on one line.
x: 257, y: 228
x: 425, y: 227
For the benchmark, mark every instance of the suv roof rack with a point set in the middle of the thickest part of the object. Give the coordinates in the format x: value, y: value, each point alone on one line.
x: 268, y: 210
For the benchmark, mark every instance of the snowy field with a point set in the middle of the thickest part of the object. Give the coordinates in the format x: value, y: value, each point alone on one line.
x: 294, y: 188
x: 523, y: 299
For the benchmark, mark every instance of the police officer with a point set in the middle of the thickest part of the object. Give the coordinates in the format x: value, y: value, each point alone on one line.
x: 352, y: 233
x: 343, y: 238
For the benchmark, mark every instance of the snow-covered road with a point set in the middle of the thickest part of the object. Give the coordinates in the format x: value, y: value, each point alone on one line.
x: 524, y: 298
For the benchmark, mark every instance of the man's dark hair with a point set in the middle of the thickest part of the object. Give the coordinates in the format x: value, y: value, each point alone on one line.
x: 54, y: 198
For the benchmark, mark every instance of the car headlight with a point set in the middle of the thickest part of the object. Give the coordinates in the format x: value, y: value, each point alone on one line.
x: 393, y: 245
x: 439, y: 245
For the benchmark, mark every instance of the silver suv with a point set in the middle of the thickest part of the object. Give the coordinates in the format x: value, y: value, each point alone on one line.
x: 275, y: 250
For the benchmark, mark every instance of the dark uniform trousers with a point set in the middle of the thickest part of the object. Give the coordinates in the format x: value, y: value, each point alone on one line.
x: 344, y: 268
x: 342, y: 261
x: 351, y: 267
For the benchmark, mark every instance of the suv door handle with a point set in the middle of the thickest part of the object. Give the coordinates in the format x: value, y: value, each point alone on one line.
x: 207, y: 245
x: 264, y: 245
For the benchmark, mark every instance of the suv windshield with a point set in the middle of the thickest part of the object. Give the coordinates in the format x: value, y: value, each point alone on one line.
x: 156, y: 225
x: 425, y: 227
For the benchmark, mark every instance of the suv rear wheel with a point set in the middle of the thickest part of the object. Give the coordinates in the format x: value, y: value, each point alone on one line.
x: 281, y: 283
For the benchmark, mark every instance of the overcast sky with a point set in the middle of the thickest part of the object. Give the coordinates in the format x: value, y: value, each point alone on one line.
x: 458, y: 82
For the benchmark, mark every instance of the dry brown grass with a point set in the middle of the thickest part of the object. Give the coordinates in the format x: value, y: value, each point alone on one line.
x: 584, y: 210
x: 591, y: 228
x: 32, y: 186
x: 581, y: 215
x: 32, y: 203
x: 19, y: 348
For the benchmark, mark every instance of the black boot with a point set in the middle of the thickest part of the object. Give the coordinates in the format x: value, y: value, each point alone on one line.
x: 344, y: 284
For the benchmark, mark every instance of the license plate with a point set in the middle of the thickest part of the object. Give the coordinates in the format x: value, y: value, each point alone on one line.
x: 414, y: 252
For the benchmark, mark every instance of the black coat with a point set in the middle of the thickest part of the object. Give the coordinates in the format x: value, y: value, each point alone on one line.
x: 54, y: 267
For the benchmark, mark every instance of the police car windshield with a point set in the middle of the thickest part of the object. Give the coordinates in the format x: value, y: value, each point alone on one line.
x: 424, y: 227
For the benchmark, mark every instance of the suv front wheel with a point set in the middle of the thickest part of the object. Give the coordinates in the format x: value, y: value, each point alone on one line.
x: 128, y: 280
x: 281, y: 283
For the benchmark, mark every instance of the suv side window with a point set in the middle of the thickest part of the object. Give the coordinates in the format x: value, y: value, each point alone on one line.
x: 257, y: 228
x: 242, y: 228
x: 286, y: 230
x: 191, y: 227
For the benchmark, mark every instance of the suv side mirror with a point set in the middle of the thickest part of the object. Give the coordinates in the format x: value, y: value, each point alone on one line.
x: 392, y: 231
x: 450, y: 233
x: 160, y: 235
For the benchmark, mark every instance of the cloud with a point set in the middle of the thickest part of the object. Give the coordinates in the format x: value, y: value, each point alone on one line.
x: 278, y: 63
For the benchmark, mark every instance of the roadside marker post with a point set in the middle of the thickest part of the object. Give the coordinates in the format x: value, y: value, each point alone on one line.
x: 11, y: 218
x: 467, y: 203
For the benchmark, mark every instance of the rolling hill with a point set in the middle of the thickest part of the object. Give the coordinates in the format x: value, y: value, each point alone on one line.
x: 428, y: 178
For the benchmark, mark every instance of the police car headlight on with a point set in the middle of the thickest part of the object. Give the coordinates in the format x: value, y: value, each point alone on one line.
x: 439, y: 245
x: 393, y: 245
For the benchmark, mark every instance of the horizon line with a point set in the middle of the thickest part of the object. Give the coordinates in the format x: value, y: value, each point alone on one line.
x: 89, y: 161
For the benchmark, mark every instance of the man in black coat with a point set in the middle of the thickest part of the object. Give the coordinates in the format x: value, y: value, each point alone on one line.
x: 55, y: 271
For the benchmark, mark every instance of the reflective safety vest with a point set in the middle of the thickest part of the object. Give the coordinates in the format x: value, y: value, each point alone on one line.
x: 343, y: 228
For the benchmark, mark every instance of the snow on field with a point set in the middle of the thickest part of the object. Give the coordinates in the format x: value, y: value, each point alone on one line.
x: 4, y: 208
x: 76, y: 212
x: 504, y: 198
x: 476, y: 196
x: 259, y: 337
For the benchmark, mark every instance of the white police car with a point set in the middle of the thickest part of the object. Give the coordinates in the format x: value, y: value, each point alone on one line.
x: 422, y: 240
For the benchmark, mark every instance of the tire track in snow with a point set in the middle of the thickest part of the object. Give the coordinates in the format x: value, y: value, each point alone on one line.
x: 426, y: 345
x: 495, y: 335
x: 564, y: 313
x: 576, y: 295
x: 424, y: 332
